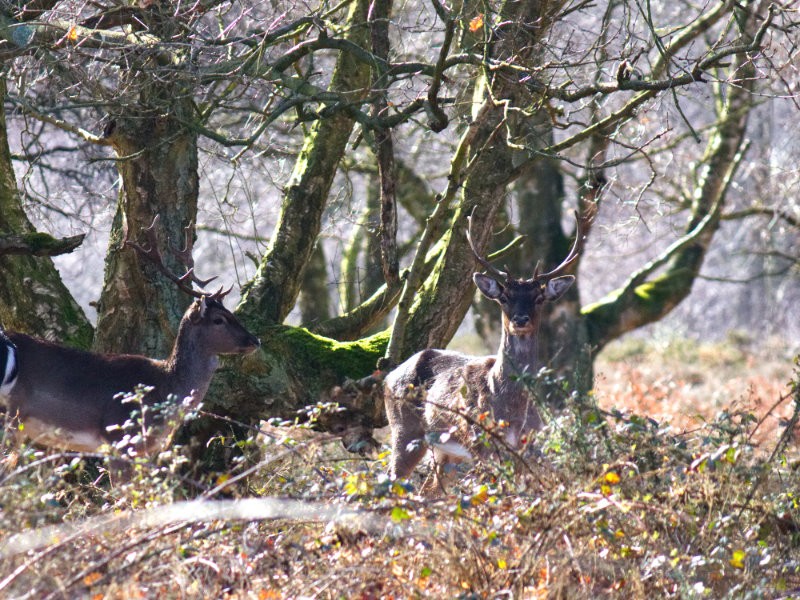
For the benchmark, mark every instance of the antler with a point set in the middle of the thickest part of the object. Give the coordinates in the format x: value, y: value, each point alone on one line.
x: 580, y: 231
x: 185, y: 281
x: 493, y: 272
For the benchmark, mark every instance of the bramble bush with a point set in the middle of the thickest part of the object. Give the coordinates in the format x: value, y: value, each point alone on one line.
x: 603, y: 502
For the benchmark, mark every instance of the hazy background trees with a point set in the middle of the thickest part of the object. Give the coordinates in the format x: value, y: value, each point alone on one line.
x: 312, y: 146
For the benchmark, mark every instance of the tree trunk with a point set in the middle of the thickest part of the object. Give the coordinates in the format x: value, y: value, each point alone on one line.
x: 294, y: 366
x: 271, y: 295
x: 33, y: 299
x: 314, y: 300
x: 361, y: 266
x: 446, y: 295
x: 563, y: 337
x: 139, y: 308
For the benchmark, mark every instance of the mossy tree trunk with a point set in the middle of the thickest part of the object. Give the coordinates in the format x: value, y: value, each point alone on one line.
x: 494, y: 164
x: 33, y: 299
x: 295, y: 367
x: 271, y: 295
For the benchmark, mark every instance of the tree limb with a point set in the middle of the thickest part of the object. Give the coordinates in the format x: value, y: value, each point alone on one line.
x: 39, y: 244
x: 764, y: 211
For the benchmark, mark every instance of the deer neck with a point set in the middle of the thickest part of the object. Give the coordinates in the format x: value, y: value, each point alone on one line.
x: 190, y: 365
x: 518, y: 354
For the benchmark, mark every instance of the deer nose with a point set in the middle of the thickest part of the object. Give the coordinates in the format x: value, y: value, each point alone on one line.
x: 520, y: 320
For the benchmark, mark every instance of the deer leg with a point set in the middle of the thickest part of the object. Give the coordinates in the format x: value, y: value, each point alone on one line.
x: 408, y: 433
x: 408, y: 448
x: 442, y: 475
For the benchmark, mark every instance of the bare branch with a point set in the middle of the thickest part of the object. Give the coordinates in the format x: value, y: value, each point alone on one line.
x: 762, y: 211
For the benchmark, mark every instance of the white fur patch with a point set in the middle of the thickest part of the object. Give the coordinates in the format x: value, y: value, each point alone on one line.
x: 452, y: 449
x: 52, y: 436
x: 10, y: 372
x: 512, y: 438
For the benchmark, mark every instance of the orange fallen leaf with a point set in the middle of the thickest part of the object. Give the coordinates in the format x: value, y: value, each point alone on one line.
x: 476, y: 23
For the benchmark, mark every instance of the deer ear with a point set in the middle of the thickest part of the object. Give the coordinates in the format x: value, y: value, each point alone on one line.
x: 488, y: 286
x: 202, y: 306
x: 556, y: 287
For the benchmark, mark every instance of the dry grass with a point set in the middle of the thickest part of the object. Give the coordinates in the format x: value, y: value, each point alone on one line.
x: 617, y: 505
x: 686, y: 384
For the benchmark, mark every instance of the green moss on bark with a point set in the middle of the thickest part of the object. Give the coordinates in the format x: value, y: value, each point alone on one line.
x: 347, y: 359
x: 293, y: 369
x: 616, y: 314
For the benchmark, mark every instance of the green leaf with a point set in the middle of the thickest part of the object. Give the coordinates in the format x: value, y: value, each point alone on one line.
x: 399, y: 514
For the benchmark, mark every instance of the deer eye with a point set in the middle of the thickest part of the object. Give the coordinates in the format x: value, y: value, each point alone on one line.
x: 218, y: 321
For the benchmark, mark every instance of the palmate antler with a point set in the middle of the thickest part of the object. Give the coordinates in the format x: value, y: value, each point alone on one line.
x: 184, y: 255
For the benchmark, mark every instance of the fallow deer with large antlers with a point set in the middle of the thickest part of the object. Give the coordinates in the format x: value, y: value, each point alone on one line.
x: 437, y: 397
x: 76, y: 400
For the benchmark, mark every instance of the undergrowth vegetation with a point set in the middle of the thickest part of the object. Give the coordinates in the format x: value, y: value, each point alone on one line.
x: 609, y: 503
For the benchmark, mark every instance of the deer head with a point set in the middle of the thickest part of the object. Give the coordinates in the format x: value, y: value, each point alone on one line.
x: 521, y: 299
x: 207, y: 323
x: 217, y: 329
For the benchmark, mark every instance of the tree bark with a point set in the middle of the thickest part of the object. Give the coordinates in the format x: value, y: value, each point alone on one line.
x: 139, y: 308
x: 33, y: 299
x: 563, y: 337
x: 295, y: 366
x: 446, y: 295
x: 314, y: 300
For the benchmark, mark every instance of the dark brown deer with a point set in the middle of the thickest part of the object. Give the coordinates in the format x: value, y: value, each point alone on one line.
x: 76, y: 400
x: 436, y: 397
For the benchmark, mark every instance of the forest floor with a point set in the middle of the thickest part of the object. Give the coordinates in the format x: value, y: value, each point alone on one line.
x: 686, y: 383
x: 677, y: 478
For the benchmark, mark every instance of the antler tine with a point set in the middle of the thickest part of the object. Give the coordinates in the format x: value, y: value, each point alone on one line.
x: 185, y: 256
x: 492, y: 271
x: 580, y: 230
x: 153, y: 254
x: 190, y: 277
x: 220, y: 294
